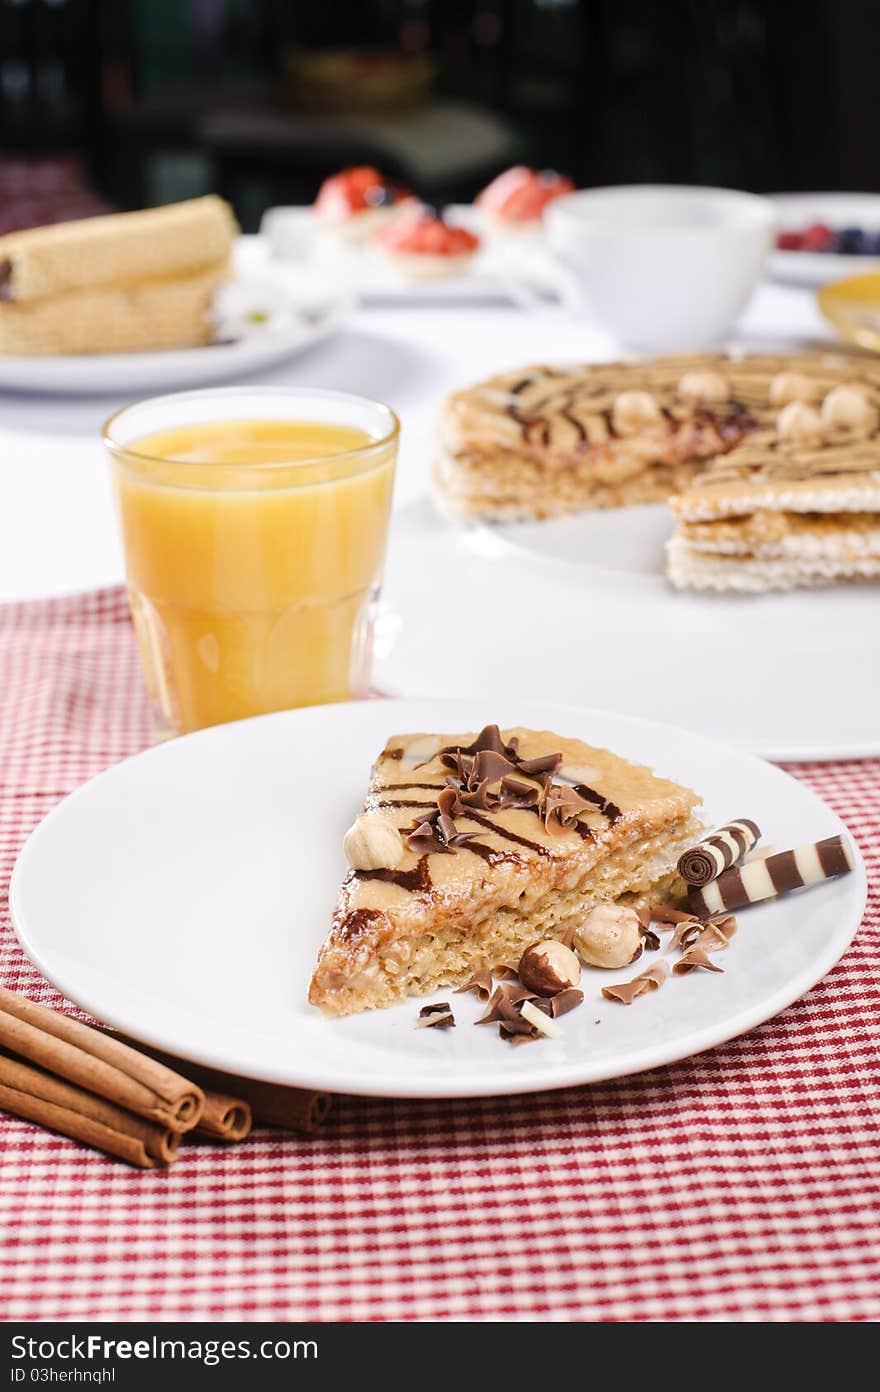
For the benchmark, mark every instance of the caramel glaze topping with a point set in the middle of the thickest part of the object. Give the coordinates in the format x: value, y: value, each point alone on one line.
x: 484, y: 777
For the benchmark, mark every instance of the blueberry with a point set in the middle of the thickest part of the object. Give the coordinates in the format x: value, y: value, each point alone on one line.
x: 851, y: 241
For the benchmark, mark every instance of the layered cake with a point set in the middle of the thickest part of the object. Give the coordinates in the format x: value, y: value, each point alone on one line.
x: 541, y: 441
x: 470, y: 848
x: 126, y: 282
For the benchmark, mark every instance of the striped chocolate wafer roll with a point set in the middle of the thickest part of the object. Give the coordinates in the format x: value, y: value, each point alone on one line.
x: 764, y: 879
x: 706, y: 860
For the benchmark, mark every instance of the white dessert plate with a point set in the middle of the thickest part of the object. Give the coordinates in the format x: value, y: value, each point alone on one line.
x: 838, y: 210
x: 515, y: 269
x: 182, y: 897
x: 578, y: 607
x: 318, y: 305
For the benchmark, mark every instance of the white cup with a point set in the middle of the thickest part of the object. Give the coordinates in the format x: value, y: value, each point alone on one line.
x: 662, y: 266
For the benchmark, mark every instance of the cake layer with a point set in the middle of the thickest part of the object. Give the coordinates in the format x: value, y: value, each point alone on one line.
x: 689, y: 568
x: 545, y: 440
x: 441, y: 913
x: 510, y: 488
x: 170, y: 313
x: 786, y: 535
x: 116, y: 249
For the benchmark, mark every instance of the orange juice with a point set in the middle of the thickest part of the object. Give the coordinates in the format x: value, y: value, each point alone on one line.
x: 254, y: 551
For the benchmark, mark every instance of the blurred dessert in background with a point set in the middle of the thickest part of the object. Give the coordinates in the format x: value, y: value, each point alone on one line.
x: 356, y: 203
x: 819, y: 236
x: 422, y: 245
x: 539, y: 441
x: 775, y: 460
x: 516, y: 200
x: 127, y: 282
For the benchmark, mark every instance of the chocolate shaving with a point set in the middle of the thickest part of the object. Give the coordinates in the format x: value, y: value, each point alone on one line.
x: 480, y: 983
x: 436, y: 833
x: 562, y: 806
x: 648, y: 980
x: 503, y: 1004
x: 686, y: 933
x: 547, y: 763
x: 564, y: 1001
x: 434, y: 1016
x: 668, y: 913
x: 489, y: 776
x: 644, y: 916
x: 516, y: 1024
x: 479, y: 798
x: 649, y: 938
x: 715, y: 937
x: 502, y: 972
x: 693, y: 958
x: 567, y: 938
x: 526, y: 1035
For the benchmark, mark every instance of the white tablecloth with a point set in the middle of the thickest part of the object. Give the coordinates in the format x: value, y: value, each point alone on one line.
x: 57, y: 529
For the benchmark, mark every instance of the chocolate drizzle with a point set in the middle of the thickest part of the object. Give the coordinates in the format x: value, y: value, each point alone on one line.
x: 608, y: 808
x: 418, y: 879
x: 487, y: 777
x: 357, y: 922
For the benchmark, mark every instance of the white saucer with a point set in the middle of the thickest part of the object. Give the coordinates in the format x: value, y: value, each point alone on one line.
x: 839, y: 210
x: 516, y: 270
x: 578, y: 608
x: 182, y: 896
x: 321, y: 309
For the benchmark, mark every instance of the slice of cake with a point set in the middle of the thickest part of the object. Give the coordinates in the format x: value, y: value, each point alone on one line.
x: 541, y: 441
x: 127, y: 282
x: 138, y: 318
x: 471, y: 848
x: 798, y: 506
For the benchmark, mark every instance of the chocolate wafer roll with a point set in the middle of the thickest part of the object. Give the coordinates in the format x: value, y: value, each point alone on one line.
x: 708, y: 859
x: 764, y: 879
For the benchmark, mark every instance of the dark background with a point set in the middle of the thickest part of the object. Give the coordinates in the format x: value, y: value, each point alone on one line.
x: 120, y: 103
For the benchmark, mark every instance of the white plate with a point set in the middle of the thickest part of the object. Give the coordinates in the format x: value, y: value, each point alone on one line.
x: 578, y: 607
x: 516, y: 269
x: 321, y: 307
x: 182, y: 896
x: 839, y: 210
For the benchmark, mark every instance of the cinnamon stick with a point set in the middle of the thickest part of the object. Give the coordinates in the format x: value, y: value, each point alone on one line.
x: 274, y: 1104
x: 98, y: 1063
x: 35, y: 1095
x: 224, y: 1118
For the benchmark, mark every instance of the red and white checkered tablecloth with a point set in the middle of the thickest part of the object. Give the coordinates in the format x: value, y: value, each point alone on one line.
x: 743, y: 1184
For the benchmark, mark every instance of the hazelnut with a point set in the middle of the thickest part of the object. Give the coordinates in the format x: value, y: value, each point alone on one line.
x: 549, y: 967
x: 793, y: 386
x: 704, y: 386
x: 610, y: 936
x: 634, y: 411
x: 799, y: 423
x: 373, y: 843
x: 848, y: 407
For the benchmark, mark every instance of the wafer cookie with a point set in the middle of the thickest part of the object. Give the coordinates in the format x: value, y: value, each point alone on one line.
x: 117, y: 249
x: 765, y: 879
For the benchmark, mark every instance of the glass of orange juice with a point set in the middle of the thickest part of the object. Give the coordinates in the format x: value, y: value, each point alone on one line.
x: 254, y: 524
